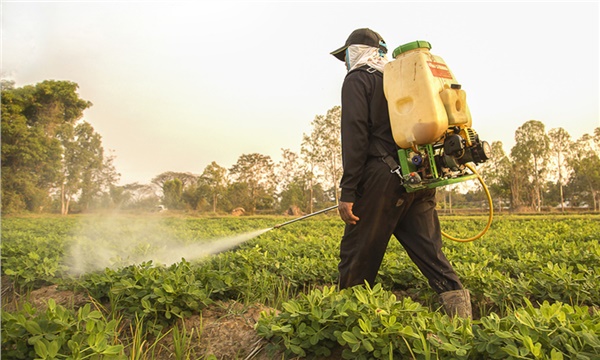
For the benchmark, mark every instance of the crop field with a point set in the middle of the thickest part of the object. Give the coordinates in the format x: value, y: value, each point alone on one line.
x: 174, y: 287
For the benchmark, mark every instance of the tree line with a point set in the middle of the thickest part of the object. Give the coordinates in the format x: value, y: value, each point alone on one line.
x: 50, y: 157
x: 545, y: 169
x: 54, y: 161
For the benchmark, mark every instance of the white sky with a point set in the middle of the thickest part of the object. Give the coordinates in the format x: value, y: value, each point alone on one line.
x: 177, y: 85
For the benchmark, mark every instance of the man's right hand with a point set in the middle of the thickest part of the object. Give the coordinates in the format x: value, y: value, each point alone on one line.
x: 345, y: 209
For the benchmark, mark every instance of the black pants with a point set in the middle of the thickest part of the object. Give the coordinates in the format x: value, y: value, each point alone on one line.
x: 386, y: 209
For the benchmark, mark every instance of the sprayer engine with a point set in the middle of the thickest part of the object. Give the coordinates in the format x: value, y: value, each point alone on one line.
x: 443, y: 163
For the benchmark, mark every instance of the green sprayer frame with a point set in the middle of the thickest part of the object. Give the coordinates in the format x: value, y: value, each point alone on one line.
x: 407, y: 167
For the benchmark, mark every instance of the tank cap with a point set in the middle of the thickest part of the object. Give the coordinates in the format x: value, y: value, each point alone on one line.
x: 419, y: 44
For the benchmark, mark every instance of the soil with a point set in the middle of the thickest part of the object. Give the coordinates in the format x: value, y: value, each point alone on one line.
x: 39, y: 298
x: 224, y: 330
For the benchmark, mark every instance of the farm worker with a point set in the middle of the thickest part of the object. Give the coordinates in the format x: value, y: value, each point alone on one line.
x: 373, y: 203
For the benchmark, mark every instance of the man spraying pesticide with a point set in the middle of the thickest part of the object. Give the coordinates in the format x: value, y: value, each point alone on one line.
x: 405, y: 131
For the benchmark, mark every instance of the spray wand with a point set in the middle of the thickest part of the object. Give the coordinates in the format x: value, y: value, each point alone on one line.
x: 305, y: 216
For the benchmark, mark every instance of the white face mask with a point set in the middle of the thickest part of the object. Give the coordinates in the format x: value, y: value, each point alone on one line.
x: 359, y: 55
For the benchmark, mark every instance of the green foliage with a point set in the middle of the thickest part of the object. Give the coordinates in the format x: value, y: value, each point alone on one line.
x: 369, y: 323
x: 585, y: 179
x: 172, y: 191
x: 86, y: 171
x: 530, y: 156
x: 30, y: 159
x: 254, y: 174
x: 496, y: 174
x: 550, y: 331
x: 157, y: 294
x: 58, y: 332
x: 45, y: 150
x: 526, y: 270
x: 373, y: 324
x: 214, y: 181
x: 33, y: 250
x: 322, y: 151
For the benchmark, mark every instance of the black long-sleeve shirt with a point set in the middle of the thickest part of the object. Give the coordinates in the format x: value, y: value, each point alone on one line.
x: 365, y: 119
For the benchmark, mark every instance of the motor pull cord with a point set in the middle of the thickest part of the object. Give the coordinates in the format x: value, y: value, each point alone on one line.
x: 491, y: 214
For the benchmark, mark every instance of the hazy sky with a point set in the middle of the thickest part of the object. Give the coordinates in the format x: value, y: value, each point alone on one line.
x: 177, y: 85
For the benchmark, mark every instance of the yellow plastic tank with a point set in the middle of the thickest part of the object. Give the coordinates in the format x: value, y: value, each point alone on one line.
x: 424, y: 98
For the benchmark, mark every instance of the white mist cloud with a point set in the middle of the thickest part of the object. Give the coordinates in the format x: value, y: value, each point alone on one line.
x: 113, y: 242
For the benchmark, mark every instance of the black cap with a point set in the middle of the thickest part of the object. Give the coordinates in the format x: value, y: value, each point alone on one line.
x: 361, y: 37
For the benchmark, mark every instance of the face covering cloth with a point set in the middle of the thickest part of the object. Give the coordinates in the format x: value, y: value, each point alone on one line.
x: 359, y: 55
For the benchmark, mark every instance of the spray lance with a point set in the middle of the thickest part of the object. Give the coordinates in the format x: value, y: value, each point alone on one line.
x: 305, y: 216
x: 477, y: 176
x: 465, y: 177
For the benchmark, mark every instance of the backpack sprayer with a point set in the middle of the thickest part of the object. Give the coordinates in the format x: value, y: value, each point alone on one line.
x: 431, y: 124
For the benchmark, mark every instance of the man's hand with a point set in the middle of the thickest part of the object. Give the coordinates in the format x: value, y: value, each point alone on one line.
x: 345, y: 209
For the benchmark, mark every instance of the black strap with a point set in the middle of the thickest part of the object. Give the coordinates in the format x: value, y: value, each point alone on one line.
x: 367, y: 68
x: 389, y: 160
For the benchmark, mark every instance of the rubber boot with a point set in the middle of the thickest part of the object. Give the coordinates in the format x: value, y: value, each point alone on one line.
x: 457, y: 302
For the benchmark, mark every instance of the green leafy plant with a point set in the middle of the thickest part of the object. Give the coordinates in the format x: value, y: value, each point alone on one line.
x: 371, y: 323
x: 552, y: 331
x: 158, y: 294
x: 366, y: 322
x: 524, y: 269
x: 59, y: 332
x: 182, y: 342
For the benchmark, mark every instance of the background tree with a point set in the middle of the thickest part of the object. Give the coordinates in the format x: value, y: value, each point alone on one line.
x: 530, y: 155
x: 585, y: 178
x: 288, y: 168
x: 188, y: 183
x: 186, y: 178
x: 560, y: 146
x: 172, y: 194
x: 496, y: 173
x: 214, y: 181
x: 326, y: 146
x: 256, y: 173
x: 30, y: 158
x: 310, y: 154
x: 108, y: 179
x: 195, y: 197
x: 40, y: 133
x: 237, y: 195
x: 135, y: 196
x: 86, y: 171
x: 322, y: 152
x: 292, y: 182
